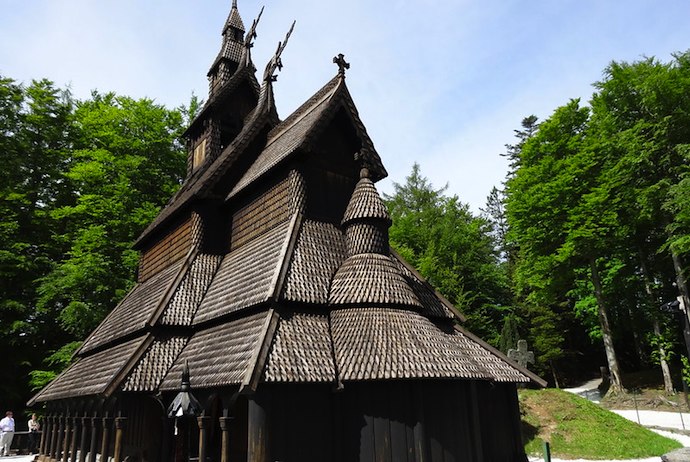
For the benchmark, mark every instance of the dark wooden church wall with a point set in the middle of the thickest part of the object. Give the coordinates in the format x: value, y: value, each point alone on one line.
x: 500, y: 422
x: 145, y: 427
x: 399, y: 421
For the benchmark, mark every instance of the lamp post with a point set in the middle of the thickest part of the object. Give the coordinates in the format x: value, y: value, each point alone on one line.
x: 183, y: 409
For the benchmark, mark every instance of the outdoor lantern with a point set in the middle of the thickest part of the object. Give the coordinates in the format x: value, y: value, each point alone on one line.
x: 183, y: 408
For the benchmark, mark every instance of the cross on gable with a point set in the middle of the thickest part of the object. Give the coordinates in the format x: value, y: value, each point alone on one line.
x: 521, y: 356
x: 342, y: 64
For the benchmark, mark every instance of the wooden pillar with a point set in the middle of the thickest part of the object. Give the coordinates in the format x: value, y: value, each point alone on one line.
x: 85, y: 424
x: 59, y: 438
x: 257, y: 447
x: 44, y: 439
x: 119, y: 430
x: 50, y: 456
x: 105, y: 438
x: 225, y: 438
x: 41, y: 443
x: 66, y: 438
x: 202, y: 422
x: 76, y: 421
x: 94, y: 439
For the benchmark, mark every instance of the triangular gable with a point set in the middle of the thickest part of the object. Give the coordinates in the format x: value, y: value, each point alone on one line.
x: 303, y: 126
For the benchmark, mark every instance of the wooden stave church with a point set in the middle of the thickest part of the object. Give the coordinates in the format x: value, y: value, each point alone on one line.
x: 270, y: 275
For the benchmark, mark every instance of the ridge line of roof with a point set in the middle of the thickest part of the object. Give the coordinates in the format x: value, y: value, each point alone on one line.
x: 538, y: 380
x: 128, y: 365
x: 174, y: 285
x: 461, y: 317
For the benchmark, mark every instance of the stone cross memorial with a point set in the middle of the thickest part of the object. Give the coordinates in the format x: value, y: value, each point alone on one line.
x: 521, y: 356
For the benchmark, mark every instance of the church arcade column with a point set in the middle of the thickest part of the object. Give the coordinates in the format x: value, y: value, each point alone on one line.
x: 58, y: 439
x: 119, y: 431
x: 202, y: 421
x: 225, y: 438
x: 105, y: 438
x: 76, y: 421
x: 66, y: 438
x: 94, y: 438
x: 85, y: 425
x: 44, y: 439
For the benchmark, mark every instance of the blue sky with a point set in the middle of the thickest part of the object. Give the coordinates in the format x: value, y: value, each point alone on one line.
x: 438, y: 82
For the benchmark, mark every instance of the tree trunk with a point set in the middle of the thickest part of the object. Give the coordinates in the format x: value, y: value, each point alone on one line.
x: 666, y: 372
x: 614, y: 370
x: 682, y: 284
x: 668, y: 383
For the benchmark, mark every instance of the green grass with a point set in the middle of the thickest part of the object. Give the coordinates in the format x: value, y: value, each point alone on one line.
x: 579, y: 429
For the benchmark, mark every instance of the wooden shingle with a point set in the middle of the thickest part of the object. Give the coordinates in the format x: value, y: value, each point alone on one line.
x: 220, y: 355
x: 246, y: 276
x: 301, y: 350
x: 134, y: 311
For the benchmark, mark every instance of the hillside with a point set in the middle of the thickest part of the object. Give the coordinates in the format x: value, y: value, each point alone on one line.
x: 577, y: 428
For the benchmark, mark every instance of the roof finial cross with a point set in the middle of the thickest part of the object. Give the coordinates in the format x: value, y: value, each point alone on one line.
x: 342, y: 64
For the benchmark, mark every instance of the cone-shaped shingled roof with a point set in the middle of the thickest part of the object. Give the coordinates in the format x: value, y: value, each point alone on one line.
x: 365, y: 202
x: 234, y: 19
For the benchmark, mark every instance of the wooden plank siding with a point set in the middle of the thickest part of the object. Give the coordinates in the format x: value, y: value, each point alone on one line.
x: 398, y: 421
x: 166, y: 251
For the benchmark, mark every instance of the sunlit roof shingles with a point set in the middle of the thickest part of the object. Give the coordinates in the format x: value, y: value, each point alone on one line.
x: 220, y: 355
x: 283, y: 140
x: 245, y: 276
x: 184, y: 303
x: 134, y: 311
x: 154, y: 364
x: 301, y: 350
x: 319, y: 252
x: 90, y: 375
x: 381, y: 343
x: 370, y: 278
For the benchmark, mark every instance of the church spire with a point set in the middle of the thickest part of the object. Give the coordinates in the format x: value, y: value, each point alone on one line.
x: 231, y: 51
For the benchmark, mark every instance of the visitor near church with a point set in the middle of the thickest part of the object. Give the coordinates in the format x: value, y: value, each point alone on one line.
x: 6, y: 433
x: 34, y: 427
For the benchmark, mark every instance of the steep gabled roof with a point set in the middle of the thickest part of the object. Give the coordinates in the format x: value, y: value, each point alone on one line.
x: 303, y: 127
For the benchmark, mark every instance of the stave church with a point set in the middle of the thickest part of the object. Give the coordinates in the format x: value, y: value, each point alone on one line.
x: 271, y: 320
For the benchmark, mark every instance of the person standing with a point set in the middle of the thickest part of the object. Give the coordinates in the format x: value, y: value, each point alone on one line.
x: 6, y: 433
x: 34, y: 427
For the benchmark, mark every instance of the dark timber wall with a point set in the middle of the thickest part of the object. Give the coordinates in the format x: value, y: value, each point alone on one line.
x: 400, y: 421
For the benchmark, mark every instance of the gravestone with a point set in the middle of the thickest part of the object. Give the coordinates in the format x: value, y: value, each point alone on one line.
x: 521, y: 356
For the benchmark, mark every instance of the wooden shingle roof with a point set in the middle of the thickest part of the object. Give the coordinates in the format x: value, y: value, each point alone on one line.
x: 370, y: 278
x: 247, y: 276
x: 302, y: 126
x: 154, y: 364
x: 134, y: 311
x: 320, y: 250
x: 91, y: 375
x: 388, y: 343
x: 301, y: 350
x: 221, y: 355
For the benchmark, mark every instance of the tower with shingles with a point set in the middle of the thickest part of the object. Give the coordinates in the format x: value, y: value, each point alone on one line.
x: 270, y: 273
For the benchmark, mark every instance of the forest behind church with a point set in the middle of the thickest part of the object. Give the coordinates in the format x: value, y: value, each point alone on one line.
x: 575, y: 252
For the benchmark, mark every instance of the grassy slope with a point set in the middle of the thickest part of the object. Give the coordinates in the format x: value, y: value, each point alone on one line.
x: 577, y: 428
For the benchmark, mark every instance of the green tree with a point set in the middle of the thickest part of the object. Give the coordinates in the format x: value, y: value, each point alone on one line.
x: 35, y: 143
x: 127, y: 163
x: 452, y: 249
